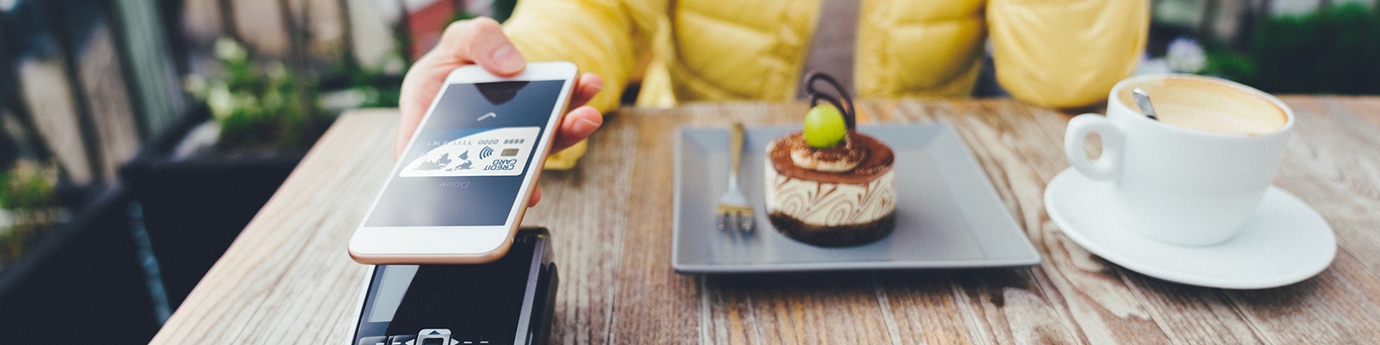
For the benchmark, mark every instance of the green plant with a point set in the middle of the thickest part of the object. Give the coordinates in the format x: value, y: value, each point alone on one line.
x: 28, y: 207
x: 352, y: 87
x: 260, y: 108
x: 1333, y: 50
x: 378, y: 89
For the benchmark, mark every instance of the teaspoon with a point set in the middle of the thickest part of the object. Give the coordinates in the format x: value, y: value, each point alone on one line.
x: 1143, y: 101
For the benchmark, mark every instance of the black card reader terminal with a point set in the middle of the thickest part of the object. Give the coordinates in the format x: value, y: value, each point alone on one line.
x: 509, y: 301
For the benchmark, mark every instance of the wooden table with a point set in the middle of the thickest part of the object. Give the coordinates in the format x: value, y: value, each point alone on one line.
x: 288, y: 279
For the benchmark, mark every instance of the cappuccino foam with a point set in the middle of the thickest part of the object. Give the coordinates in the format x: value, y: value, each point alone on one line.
x: 1208, y: 106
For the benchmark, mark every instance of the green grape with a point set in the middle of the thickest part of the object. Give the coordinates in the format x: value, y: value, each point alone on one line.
x: 824, y: 127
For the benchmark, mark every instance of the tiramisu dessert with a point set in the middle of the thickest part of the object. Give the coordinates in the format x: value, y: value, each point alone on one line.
x: 829, y: 185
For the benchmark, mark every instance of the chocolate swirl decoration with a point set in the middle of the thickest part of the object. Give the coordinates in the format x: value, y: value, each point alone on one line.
x: 849, y: 116
x: 829, y: 199
x: 830, y: 204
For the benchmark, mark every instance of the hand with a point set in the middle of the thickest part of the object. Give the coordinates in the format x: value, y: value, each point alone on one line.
x: 481, y: 41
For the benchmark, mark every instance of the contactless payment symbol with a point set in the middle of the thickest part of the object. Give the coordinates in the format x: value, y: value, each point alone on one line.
x: 474, y: 154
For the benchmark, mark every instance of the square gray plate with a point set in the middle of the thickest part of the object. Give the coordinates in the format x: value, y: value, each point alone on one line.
x: 947, y: 215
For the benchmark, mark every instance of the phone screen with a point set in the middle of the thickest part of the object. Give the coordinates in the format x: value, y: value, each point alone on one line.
x: 466, y: 164
x: 481, y: 301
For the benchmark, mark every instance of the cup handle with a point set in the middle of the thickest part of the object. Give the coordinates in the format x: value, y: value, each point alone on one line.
x: 1108, y: 165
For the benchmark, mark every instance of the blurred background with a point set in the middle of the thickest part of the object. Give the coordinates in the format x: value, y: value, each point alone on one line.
x: 137, y: 137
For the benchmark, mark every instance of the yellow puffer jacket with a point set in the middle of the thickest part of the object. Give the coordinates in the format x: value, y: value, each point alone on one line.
x: 1053, y: 53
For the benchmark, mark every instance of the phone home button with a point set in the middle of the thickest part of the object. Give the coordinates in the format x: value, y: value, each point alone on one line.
x: 436, y: 336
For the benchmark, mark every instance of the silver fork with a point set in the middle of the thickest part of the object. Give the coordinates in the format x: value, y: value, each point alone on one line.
x: 734, y: 211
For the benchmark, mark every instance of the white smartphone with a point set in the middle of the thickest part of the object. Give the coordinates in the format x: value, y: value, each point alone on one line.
x: 458, y: 192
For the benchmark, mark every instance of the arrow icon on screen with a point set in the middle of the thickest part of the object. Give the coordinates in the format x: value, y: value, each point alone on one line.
x: 485, y: 116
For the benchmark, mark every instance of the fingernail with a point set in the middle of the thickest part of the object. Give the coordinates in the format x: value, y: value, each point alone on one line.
x: 585, y: 126
x: 508, y: 59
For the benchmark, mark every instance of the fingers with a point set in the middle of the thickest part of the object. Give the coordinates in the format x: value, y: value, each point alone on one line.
x: 536, y: 196
x: 481, y: 41
x: 477, y: 41
x: 577, y: 125
x: 586, y: 88
x: 583, y: 120
x: 586, y: 120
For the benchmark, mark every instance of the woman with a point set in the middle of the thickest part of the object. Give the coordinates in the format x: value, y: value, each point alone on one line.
x: 1053, y: 53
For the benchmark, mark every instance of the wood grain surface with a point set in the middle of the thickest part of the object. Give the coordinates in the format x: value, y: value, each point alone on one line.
x: 288, y: 279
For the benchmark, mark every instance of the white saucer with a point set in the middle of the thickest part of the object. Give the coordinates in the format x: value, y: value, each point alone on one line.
x: 1283, y: 243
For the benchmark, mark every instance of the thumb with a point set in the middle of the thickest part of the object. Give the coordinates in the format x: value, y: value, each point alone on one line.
x: 482, y: 41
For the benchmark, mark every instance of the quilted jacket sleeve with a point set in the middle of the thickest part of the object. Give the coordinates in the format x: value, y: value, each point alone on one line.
x: 606, y: 37
x: 1066, y: 53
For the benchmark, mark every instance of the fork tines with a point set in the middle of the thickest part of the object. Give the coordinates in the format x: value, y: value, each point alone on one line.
x: 736, y: 217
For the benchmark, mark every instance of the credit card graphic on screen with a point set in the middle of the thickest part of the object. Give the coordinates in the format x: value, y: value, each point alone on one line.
x: 494, y: 152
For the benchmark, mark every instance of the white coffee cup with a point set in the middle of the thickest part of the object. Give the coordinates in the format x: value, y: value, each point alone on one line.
x: 1194, y: 182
